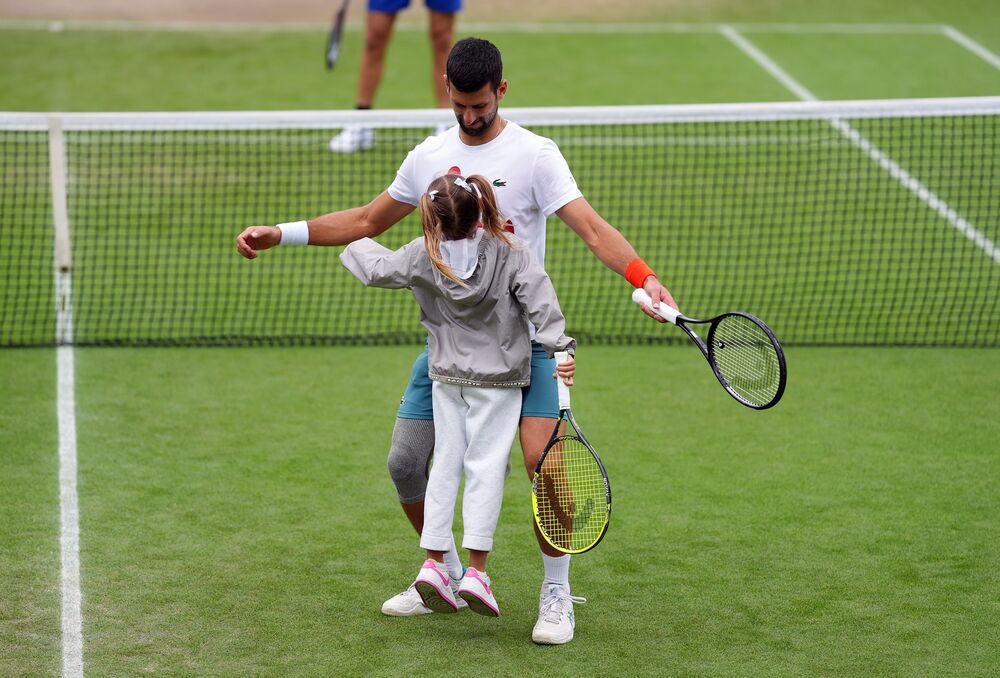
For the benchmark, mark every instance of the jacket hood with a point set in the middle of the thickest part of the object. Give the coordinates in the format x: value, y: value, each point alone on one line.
x: 478, y: 284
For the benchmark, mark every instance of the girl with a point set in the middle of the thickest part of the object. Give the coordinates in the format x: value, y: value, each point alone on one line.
x: 477, y: 290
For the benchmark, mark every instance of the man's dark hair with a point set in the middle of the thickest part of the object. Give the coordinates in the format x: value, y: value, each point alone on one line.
x: 472, y: 63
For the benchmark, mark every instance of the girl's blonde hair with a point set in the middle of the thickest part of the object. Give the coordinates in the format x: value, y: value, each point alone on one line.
x: 452, y: 208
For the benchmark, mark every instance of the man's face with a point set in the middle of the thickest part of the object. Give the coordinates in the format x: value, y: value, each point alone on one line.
x: 476, y: 111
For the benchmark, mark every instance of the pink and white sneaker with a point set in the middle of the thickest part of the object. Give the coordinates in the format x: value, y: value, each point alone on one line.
x: 475, y: 590
x: 434, y: 586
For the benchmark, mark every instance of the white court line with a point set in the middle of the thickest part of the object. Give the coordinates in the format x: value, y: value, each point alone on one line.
x: 776, y: 71
x: 472, y: 26
x: 69, y: 519
x: 971, y: 45
x: 69, y: 507
x: 884, y: 161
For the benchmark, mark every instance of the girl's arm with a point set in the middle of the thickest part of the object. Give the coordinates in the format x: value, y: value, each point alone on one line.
x: 378, y: 266
x: 534, y: 290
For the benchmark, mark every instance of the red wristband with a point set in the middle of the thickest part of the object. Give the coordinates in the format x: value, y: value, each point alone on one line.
x: 637, y: 271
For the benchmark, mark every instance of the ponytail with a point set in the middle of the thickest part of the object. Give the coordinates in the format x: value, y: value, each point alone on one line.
x: 492, y: 220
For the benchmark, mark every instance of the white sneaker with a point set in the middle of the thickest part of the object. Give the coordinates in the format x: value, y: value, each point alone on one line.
x: 434, y: 586
x: 409, y: 604
x: 555, y: 616
x: 352, y: 139
x: 405, y: 604
x: 476, y: 592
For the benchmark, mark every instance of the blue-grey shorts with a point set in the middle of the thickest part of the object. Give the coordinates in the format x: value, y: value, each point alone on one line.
x: 540, y: 399
x: 393, y: 6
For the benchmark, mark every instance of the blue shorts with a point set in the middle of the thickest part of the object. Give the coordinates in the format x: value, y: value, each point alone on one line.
x: 540, y: 399
x: 393, y: 6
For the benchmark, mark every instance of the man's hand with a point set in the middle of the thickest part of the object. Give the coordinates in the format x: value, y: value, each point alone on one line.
x: 659, y: 294
x: 257, y: 238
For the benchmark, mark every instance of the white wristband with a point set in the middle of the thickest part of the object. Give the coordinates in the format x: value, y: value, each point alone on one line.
x: 294, y: 233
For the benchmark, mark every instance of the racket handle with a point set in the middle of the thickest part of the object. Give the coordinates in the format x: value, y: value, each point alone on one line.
x: 562, y: 357
x: 667, y: 312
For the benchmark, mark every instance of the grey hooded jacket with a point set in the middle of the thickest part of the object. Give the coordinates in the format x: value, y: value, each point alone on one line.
x: 477, y: 335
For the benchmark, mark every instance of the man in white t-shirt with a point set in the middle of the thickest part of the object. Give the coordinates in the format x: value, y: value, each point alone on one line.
x: 532, y: 181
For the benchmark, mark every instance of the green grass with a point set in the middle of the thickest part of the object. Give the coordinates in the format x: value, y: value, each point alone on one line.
x: 94, y: 70
x: 883, y: 67
x: 237, y: 518
x: 111, y: 70
x: 236, y: 514
x: 29, y: 515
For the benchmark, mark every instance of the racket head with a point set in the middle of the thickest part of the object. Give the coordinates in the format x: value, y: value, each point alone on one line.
x: 571, y: 495
x: 747, y: 359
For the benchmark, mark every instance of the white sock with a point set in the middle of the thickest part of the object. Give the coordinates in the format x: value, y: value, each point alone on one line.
x: 556, y: 570
x: 453, y: 563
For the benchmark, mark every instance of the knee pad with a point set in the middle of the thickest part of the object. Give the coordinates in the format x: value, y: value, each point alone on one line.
x: 410, y: 457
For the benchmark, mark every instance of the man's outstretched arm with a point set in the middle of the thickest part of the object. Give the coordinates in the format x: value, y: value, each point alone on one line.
x: 335, y: 228
x: 611, y: 247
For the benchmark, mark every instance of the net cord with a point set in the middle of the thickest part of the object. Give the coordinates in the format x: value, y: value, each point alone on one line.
x: 570, y: 115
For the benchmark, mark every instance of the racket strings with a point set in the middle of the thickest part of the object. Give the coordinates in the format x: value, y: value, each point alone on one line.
x: 571, y: 495
x: 747, y: 358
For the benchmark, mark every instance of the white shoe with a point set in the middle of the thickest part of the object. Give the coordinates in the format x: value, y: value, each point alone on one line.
x: 352, y: 139
x: 476, y: 592
x: 409, y: 604
x: 435, y: 588
x: 405, y: 604
x: 555, y: 616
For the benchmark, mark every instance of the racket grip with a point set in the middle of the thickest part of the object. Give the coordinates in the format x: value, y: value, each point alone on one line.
x: 561, y: 357
x: 665, y: 311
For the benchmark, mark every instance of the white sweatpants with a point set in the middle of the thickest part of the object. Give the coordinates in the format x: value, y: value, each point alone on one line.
x: 473, y: 432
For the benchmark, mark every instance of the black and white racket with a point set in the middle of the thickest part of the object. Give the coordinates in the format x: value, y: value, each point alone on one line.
x: 570, y: 492
x: 743, y: 352
x: 336, y: 33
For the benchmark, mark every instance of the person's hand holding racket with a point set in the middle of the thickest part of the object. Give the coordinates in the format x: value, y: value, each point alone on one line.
x: 658, y: 294
x: 741, y: 349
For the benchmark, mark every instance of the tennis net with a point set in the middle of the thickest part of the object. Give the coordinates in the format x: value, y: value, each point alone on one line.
x: 844, y: 223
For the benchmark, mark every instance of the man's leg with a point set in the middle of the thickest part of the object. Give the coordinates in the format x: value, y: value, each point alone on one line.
x: 409, y: 463
x: 539, y: 413
x: 534, y: 436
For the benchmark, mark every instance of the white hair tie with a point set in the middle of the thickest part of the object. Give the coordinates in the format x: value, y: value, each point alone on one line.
x: 459, y: 181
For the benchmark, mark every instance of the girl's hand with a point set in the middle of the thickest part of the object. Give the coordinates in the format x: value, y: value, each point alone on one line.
x: 565, y: 371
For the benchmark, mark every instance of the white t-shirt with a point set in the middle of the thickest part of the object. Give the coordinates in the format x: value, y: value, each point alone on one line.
x: 530, y: 177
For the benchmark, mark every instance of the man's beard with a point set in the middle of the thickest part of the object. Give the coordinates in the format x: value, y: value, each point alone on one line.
x: 479, y: 130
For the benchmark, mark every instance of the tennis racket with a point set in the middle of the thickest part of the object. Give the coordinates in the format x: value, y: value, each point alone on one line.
x: 744, y: 353
x: 570, y: 493
x: 336, y: 32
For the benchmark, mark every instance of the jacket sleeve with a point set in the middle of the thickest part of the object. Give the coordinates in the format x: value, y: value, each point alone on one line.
x: 533, y: 289
x: 378, y: 266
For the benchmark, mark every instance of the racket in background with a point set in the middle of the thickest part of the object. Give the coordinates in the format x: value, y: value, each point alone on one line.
x: 570, y: 492
x: 336, y: 34
x: 744, y: 353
